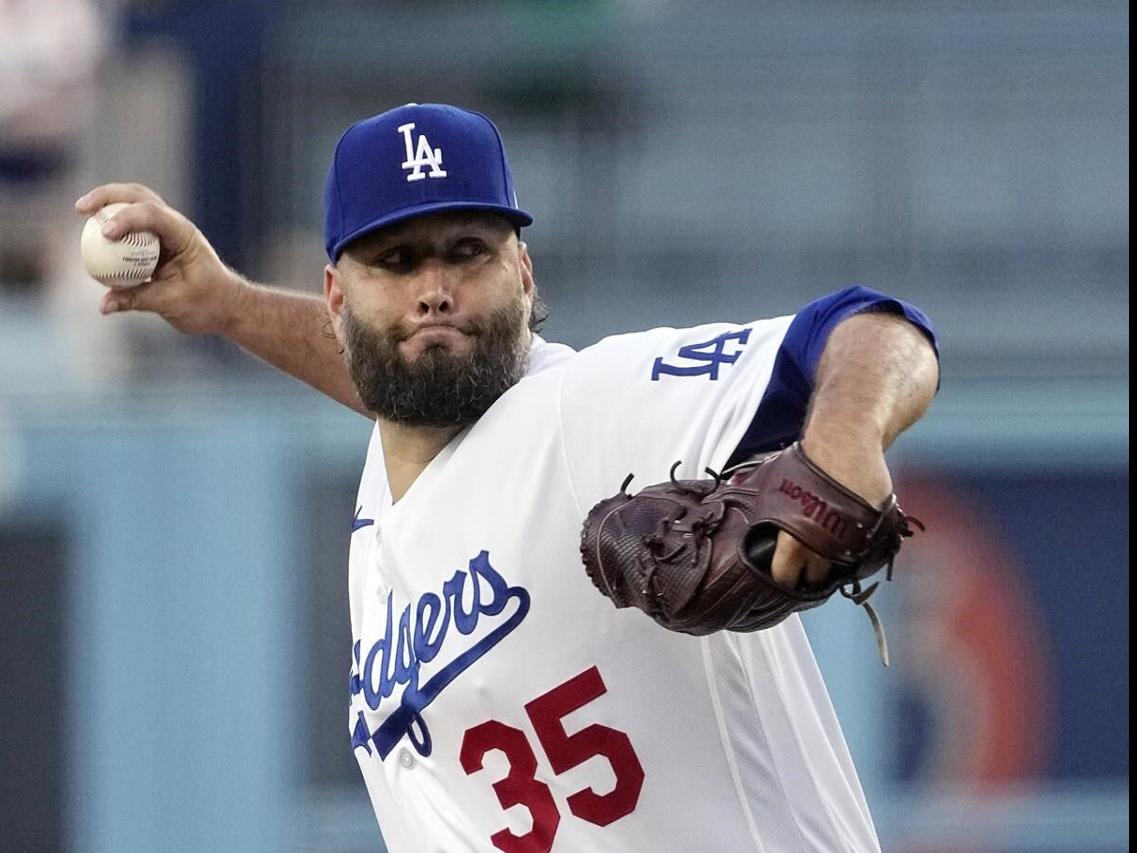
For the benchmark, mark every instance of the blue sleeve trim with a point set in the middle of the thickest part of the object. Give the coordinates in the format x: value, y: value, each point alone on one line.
x: 781, y: 414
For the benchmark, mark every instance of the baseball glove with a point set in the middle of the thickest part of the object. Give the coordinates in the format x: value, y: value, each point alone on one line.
x: 695, y: 554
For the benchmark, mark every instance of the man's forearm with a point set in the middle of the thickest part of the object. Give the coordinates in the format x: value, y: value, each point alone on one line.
x: 292, y: 332
x: 877, y: 376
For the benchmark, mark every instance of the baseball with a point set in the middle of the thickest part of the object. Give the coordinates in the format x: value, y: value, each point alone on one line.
x: 125, y: 262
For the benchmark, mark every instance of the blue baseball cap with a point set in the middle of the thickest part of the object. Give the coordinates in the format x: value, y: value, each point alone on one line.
x: 414, y: 160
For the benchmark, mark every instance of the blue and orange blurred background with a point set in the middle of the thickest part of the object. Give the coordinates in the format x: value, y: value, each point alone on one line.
x: 174, y: 516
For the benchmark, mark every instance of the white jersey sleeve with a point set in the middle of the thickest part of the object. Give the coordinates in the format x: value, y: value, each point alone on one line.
x: 638, y: 403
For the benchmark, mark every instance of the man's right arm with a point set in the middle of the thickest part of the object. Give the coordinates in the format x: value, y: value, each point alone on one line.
x: 292, y: 332
x: 196, y: 293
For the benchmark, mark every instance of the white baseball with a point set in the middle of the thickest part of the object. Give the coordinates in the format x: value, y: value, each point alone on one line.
x: 125, y: 262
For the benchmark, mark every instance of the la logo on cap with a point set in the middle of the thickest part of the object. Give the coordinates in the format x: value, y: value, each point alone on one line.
x: 423, y: 156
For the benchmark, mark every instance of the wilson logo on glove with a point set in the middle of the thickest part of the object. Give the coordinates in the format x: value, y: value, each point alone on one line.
x: 814, y: 507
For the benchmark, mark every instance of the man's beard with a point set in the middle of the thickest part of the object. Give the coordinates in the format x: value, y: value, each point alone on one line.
x: 438, y: 388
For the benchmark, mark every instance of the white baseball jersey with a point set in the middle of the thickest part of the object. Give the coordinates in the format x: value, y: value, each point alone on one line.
x: 500, y: 702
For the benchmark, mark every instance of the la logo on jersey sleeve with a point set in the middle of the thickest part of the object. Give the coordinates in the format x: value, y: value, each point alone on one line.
x: 703, y: 359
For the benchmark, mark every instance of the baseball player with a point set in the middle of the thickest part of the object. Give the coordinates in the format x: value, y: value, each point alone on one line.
x: 496, y: 700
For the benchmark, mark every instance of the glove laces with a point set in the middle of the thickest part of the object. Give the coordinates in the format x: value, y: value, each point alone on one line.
x: 860, y: 597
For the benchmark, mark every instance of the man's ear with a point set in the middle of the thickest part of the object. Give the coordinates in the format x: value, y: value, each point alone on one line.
x: 334, y: 298
x: 526, y: 267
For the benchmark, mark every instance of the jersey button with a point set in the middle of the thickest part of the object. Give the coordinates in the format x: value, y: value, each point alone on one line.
x: 406, y: 759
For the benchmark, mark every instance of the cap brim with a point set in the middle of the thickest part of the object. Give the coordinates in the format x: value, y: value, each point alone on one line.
x: 513, y: 214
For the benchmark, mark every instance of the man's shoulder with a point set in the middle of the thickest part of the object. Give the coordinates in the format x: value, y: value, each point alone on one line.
x: 549, y: 362
x: 545, y: 355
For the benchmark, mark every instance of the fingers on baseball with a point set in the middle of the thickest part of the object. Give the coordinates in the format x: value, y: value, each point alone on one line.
x: 149, y: 216
x: 104, y: 194
x: 124, y: 299
x: 794, y: 565
x: 145, y: 211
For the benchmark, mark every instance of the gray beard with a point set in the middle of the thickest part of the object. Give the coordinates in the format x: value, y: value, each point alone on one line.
x: 439, y: 388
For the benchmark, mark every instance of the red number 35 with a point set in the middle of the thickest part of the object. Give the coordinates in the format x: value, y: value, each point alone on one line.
x: 564, y: 751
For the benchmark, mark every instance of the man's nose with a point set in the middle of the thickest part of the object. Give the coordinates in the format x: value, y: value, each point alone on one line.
x: 435, y: 284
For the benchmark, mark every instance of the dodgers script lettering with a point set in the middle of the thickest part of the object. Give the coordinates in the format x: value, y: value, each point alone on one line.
x: 420, y: 636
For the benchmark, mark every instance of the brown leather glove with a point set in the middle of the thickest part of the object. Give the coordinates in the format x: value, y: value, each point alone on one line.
x: 695, y: 554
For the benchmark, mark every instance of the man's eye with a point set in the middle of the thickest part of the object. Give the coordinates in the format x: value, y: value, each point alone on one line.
x: 393, y: 259
x: 468, y: 248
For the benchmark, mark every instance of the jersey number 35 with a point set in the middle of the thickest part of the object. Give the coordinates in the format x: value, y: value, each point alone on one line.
x: 564, y: 751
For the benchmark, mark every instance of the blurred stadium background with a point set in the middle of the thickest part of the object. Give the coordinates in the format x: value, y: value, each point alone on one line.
x: 173, y: 627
